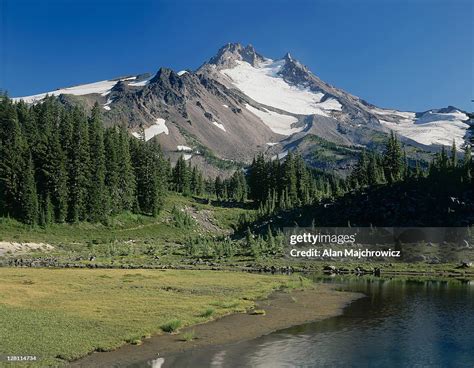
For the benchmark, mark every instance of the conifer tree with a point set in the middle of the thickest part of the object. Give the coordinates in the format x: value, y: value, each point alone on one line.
x: 12, y: 162
x: 57, y: 177
x: 112, y: 171
x: 97, y: 193
x: 453, y: 157
x: 443, y: 161
x: 373, y: 174
x: 79, y: 169
x: 126, y: 177
x: 219, y: 188
x: 182, y: 177
x: 290, y: 179
x: 359, y: 175
x: 393, y: 159
x: 467, y: 164
x: 28, y: 195
x: 257, y: 179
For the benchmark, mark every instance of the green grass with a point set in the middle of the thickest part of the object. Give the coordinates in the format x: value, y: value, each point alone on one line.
x: 63, y: 314
x: 207, y: 313
x: 129, y: 238
x: 226, y: 304
x: 189, y: 335
x: 136, y: 340
x: 171, y: 326
x: 121, y: 228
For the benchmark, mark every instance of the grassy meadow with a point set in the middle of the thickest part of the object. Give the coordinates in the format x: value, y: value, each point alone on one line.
x: 63, y: 314
x: 168, y: 240
x: 130, y: 239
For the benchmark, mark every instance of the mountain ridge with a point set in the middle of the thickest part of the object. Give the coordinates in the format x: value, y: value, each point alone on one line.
x: 239, y: 103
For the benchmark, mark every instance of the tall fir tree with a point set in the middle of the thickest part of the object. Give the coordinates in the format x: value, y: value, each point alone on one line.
x: 126, y: 177
x: 182, y: 177
x: 467, y: 164
x: 28, y: 195
x: 112, y: 171
x: 98, y: 198
x: 393, y: 159
x: 79, y: 169
x: 453, y: 160
x: 12, y: 160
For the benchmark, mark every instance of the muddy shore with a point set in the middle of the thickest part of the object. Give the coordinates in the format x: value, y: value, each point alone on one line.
x: 281, y: 310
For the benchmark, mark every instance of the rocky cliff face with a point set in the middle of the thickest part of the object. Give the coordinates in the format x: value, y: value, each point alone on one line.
x: 240, y: 103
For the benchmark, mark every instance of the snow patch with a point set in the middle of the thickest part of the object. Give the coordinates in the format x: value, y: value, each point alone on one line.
x: 103, y: 88
x: 106, y: 105
x: 141, y: 83
x: 187, y: 156
x: 280, y: 155
x: 182, y: 72
x: 154, y: 130
x: 225, y: 106
x: 430, y: 128
x: 331, y: 104
x: 183, y: 148
x: 271, y: 144
x: 395, y: 113
x: 263, y: 84
x: 219, y: 125
x: 278, y: 123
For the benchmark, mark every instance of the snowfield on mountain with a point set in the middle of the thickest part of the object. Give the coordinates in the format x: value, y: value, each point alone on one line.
x: 239, y: 100
x: 264, y: 85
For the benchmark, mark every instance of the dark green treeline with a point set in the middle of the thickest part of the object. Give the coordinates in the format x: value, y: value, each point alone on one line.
x: 453, y: 169
x: 279, y: 186
x: 274, y: 184
x: 60, y: 165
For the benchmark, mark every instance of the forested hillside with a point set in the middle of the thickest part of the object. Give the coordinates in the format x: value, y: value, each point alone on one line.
x: 60, y: 165
x: 386, y: 190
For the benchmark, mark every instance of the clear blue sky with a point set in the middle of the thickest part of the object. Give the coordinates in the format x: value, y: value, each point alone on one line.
x: 405, y: 54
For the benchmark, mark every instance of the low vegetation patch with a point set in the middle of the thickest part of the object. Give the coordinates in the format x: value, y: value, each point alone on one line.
x: 189, y: 335
x: 134, y: 340
x: 226, y: 304
x: 171, y: 326
x: 99, y: 310
x: 207, y: 313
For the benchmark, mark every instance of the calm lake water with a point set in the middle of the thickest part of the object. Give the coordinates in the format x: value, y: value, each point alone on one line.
x: 401, y: 323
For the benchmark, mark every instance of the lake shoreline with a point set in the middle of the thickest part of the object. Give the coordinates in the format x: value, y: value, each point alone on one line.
x: 279, y: 311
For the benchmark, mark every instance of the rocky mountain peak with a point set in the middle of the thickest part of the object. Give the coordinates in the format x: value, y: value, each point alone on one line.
x: 448, y: 110
x: 228, y: 54
x: 167, y: 76
x: 120, y: 87
x: 288, y: 57
x: 294, y: 72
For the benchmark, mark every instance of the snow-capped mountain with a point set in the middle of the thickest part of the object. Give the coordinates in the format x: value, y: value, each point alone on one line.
x: 240, y: 103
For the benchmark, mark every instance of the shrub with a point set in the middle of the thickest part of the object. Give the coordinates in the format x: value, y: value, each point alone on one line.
x: 134, y: 340
x: 181, y: 219
x: 171, y: 326
x: 189, y: 336
x: 207, y: 313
